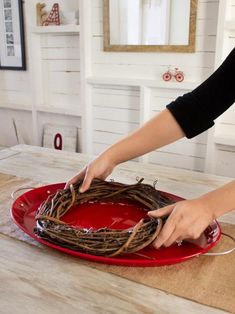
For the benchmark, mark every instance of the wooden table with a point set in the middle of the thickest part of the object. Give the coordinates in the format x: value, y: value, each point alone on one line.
x: 36, y: 279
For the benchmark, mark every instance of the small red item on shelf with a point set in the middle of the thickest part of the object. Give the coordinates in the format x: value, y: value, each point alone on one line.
x: 177, y: 74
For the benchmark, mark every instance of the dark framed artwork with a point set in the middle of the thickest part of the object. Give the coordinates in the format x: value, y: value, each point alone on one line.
x: 12, y: 43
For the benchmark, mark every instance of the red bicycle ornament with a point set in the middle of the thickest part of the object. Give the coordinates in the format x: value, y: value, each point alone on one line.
x: 176, y: 73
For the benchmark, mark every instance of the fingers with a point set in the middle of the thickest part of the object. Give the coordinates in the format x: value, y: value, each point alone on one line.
x: 187, y: 220
x: 167, y: 232
x: 172, y: 230
x: 87, y: 176
x: 168, y: 228
x: 175, y: 237
x: 86, y: 181
x: 76, y: 178
x: 164, y: 211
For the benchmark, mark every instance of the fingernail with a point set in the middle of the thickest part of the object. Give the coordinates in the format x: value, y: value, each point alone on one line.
x: 150, y: 213
x: 81, y: 189
x: 156, y: 246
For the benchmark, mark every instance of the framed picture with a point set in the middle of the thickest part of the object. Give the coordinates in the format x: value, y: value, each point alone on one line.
x: 12, y: 44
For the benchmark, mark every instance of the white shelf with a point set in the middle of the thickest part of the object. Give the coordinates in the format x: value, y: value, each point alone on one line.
x: 62, y: 111
x: 141, y: 82
x: 15, y: 107
x: 59, y: 29
x: 227, y: 140
x: 230, y: 25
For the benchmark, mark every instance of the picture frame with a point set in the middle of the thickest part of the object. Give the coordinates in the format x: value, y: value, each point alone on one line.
x: 12, y: 48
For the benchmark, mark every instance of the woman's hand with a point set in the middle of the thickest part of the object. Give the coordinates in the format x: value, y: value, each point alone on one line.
x: 187, y: 220
x: 100, y: 168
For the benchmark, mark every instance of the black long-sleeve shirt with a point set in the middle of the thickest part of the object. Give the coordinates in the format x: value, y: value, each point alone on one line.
x: 195, y: 111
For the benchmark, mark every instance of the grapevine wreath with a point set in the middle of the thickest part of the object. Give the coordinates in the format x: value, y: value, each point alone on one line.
x: 103, y: 241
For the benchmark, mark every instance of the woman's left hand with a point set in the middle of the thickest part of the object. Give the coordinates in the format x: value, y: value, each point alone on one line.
x: 187, y: 220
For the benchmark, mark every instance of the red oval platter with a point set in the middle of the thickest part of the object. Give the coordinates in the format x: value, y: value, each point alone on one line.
x: 119, y: 215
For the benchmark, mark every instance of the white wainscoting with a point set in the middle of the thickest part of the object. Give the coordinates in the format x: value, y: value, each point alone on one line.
x: 186, y: 154
x: 116, y: 112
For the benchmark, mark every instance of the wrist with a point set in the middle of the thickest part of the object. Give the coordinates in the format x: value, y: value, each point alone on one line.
x: 209, y: 207
x: 110, y: 156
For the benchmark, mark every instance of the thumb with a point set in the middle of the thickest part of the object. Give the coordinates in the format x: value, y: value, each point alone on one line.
x: 164, y: 211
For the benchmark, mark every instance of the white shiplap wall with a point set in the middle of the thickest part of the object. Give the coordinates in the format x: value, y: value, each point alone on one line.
x: 115, y: 113
x: 188, y: 154
x: 150, y: 66
x: 14, y: 87
x: 61, y: 70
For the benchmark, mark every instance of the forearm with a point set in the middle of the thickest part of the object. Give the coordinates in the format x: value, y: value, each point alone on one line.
x: 221, y: 200
x: 161, y: 130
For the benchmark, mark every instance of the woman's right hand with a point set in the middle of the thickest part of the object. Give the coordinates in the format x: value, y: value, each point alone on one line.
x: 101, y: 167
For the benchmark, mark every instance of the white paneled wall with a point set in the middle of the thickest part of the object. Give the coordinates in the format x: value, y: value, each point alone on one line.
x: 14, y: 88
x: 226, y: 124
x: 187, y: 154
x: 61, y: 70
x: 115, y: 113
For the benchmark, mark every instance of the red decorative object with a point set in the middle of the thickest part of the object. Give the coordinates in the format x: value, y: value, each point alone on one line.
x: 116, y: 215
x: 58, y: 141
x: 176, y: 73
x: 53, y: 17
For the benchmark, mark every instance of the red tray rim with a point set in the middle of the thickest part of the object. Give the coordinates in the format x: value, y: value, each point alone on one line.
x: 122, y: 261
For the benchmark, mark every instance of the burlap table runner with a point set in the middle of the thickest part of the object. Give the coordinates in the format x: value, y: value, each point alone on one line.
x: 207, y: 280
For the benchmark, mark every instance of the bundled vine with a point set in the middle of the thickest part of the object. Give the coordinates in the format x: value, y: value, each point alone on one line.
x: 104, y: 241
